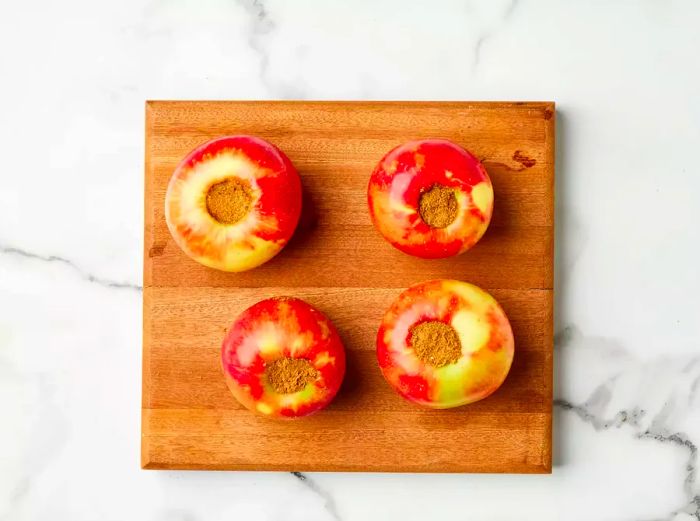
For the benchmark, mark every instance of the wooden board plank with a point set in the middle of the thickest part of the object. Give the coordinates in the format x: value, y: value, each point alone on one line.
x: 339, y: 263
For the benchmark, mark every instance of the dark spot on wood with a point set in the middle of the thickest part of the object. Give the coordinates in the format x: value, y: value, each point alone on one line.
x: 156, y: 250
x: 548, y: 113
x: 524, y: 160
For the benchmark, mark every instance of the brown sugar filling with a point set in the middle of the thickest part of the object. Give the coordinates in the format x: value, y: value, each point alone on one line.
x: 290, y: 375
x: 230, y: 200
x: 438, y: 206
x: 435, y: 343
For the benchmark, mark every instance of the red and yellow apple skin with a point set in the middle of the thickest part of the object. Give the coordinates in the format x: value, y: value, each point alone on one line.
x: 276, y: 328
x: 411, y: 169
x: 485, y: 336
x: 275, y: 189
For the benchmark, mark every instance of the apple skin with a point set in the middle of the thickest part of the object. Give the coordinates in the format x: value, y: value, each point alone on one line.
x: 275, y: 187
x: 405, y: 173
x: 275, y: 328
x: 485, y: 335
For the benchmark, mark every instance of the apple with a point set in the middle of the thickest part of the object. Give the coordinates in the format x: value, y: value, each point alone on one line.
x: 430, y: 198
x: 283, y: 358
x: 445, y: 343
x: 233, y: 202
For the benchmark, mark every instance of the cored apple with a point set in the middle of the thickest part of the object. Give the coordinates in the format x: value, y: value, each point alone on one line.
x: 283, y: 358
x: 445, y: 343
x: 233, y: 202
x: 430, y: 198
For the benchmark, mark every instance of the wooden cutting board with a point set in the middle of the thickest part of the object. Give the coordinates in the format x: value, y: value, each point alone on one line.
x: 340, y: 264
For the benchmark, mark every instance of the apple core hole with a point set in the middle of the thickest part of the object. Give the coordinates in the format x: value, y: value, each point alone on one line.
x: 230, y: 200
x: 290, y: 375
x: 435, y: 343
x: 438, y: 206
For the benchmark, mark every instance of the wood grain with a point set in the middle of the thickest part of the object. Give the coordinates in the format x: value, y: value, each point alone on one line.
x: 339, y: 263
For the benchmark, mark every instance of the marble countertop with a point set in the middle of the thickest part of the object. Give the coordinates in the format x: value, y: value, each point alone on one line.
x: 626, y: 78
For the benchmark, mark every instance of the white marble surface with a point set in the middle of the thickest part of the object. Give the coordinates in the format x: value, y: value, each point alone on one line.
x: 626, y: 78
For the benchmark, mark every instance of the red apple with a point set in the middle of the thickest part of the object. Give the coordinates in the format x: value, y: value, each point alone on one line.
x: 283, y: 358
x: 445, y: 343
x: 233, y: 202
x: 430, y: 198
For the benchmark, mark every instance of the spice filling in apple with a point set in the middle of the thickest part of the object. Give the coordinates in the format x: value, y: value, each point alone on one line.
x: 435, y: 343
x: 290, y: 375
x: 438, y: 206
x: 229, y: 201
